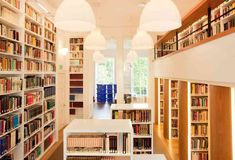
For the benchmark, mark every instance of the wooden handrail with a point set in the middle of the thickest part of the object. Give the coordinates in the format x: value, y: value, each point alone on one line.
x: 197, y: 12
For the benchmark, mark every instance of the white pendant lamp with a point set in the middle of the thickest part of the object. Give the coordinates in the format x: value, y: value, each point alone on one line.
x: 75, y: 16
x: 142, y: 41
x: 95, y: 41
x: 160, y: 16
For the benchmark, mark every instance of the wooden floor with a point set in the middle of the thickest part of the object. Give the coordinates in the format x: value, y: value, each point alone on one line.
x: 161, y: 146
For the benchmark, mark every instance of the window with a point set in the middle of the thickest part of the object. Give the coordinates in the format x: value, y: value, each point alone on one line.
x: 139, y: 77
x: 105, y: 72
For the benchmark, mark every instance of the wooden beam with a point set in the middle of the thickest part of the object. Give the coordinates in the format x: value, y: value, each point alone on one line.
x: 166, y: 109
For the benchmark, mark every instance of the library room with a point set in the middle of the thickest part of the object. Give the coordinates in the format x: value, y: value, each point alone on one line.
x: 117, y: 80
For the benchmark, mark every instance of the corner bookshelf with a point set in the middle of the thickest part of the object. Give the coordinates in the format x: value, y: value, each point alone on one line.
x: 199, y: 121
x: 174, y: 109
x: 101, y: 139
x: 161, y: 100
x: 76, y: 77
x: 28, y: 84
x: 141, y: 118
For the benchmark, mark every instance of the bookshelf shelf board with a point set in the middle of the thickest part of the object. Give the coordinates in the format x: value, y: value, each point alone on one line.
x: 199, y: 150
x: 149, y: 157
x: 49, y: 122
x: 48, y: 40
x: 71, y: 80
x: 10, y: 72
x: 33, y: 73
x: 174, y: 128
x: 48, y: 29
x: 175, y: 118
x: 46, y: 111
x: 2, y: 135
x: 49, y: 134
x: 33, y: 89
x: 35, y: 132
x: 34, y: 59
x: 11, y: 7
x: 199, y: 136
x: 90, y: 154
x: 199, y: 95
x: 10, y: 24
x: 9, y: 151
x: 142, y: 150
x: 51, y: 85
x: 75, y: 73
x: 10, y: 39
x: 38, y: 116
x: 75, y: 59
x: 174, y: 89
x: 199, y: 122
x: 9, y: 93
x: 37, y: 103
x: 33, y: 33
x: 174, y: 98
x: 10, y: 55
x: 49, y: 51
x: 51, y: 97
x: 50, y: 73
x: 175, y: 108
x: 46, y: 61
x: 142, y: 106
x: 76, y: 87
x: 10, y: 112
x: 30, y: 45
x: 199, y: 108
x: 33, y: 149
x: 32, y: 20
x: 142, y: 136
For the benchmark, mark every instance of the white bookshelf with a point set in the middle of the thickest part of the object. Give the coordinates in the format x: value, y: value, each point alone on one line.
x: 19, y: 25
x: 134, y: 108
x: 149, y: 157
x: 95, y: 126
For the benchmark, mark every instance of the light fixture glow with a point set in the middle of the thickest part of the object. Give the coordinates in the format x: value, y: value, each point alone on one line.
x: 75, y: 16
x: 142, y: 41
x: 95, y: 41
x: 160, y: 16
x: 63, y: 51
x: 98, y: 57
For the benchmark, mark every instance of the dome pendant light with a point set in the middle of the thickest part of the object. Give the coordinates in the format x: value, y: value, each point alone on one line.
x: 142, y: 41
x: 95, y: 41
x: 160, y: 16
x: 75, y: 16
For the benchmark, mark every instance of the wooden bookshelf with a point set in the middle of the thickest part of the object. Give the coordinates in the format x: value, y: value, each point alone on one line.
x: 161, y: 100
x: 166, y: 110
x: 105, y: 130
x: 25, y: 40
x: 141, y: 118
x: 156, y: 101
x: 206, y: 22
x: 76, y: 77
x: 174, y: 109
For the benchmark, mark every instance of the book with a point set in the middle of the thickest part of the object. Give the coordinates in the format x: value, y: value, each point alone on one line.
x: 15, y: 3
x: 49, y: 67
x: 10, y: 47
x: 142, y: 129
x: 30, y: 143
x: 32, y: 40
x: 8, y: 32
x: 31, y: 52
x: 10, y: 84
x: 33, y: 27
x: 31, y: 98
x: 142, y: 144
x: 33, y: 82
x: 34, y: 154
x: 199, y: 89
x: 49, y: 116
x: 32, y: 66
x: 32, y: 112
x: 9, y: 15
x: 49, y: 128
x: 31, y: 127
x: 10, y: 64
x: 10, y: 122
x: 49, y: 56
x: 49, y: 46
x: 49, y: 80
x: 33, y: 13
x: 49, y: 104
x: 49, y: 92
x: 134, y: 116
x: 10, y: 103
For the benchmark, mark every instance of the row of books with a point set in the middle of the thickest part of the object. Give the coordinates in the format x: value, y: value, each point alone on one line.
x: 142, y: 129
x: 174, y: 114
x: 32, y: 98
x: 77, y: 69
x: 10, y: 64
x: 48, y: 142
x: 9, y: 141
x: 49, y: 35
x: 49, y: 46
x: 229, y: 24
x: 49, y: 116
x: 49, y: 67
x: 31, y: 127
x: 199, y: 130
x: 32, y: 112
x: 142, y: 144
x: 199, y: 101
x: 10, y: 47
x: 49, y: 25
x: 49, y: 128
x: 174, y: 133
x: 199, y: 143
x: 31, y: 52
x: 174, y: 94
x: 10, y: 122
x: 33, y: 66
x: 6, y: 31
x: 76, y: 40
x: 34, y: 154
x: 200, y: 36
x: 76, y: 55
x: 33, y: 27
x: 76, y: 48
x: 200, y: 89
x: 33, y: 82
x: 174, y: 84
x: 30, y: 143
x: 49, y: 56
x: 134, y: 116
x: 32, y: 40
x: 9, y: 103
x: 104, y: 143
x: 49, y: 80
x: 32, y: 13
x: 9, y: 15
x: 10, y: 84
x: 199, y: 156
x: 15, y: 3
x: 174, y: 103
x: 174, y: 123
x: 199, y: 116
x: 49, y: 91
x: 226, y: 9
x: 49, y: 104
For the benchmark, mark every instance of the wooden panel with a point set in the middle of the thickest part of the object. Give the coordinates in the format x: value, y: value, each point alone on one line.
x: 156, y: 100
x: 183, y: 120
x: 166, y: 109
x: 220, y: 123
x: 76, y: 83
x: 76, y: 76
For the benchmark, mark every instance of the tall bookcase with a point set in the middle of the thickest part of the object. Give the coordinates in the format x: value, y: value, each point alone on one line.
x: 199, y: 121
x: 174, y: 109
x: 27, y: 81
x: 141, y: 118
x: 76, y: 77
x: 161, y: 100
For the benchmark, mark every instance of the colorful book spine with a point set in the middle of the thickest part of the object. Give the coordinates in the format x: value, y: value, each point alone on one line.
x: 33, y: 82
x: 10, y: 84
x: 10, y: 103
x: 31, y: 98
x: 8, y: 123
x: 10, y: 64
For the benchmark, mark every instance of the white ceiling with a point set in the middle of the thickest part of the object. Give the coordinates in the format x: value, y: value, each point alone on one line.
x: 123, y: 15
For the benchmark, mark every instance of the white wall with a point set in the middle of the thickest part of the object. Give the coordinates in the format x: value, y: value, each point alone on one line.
x: 212, y: 62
